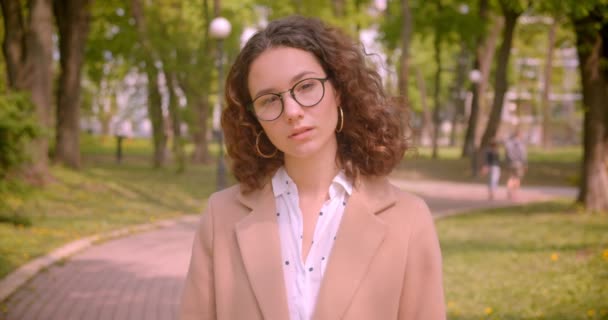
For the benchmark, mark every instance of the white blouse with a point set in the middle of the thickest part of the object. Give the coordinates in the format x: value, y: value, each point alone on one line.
x: 303, y: 279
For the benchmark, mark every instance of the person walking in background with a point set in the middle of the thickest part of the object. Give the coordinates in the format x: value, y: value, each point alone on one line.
x: 313, y: 229
x: 491, y: 167
x: 517, y: 163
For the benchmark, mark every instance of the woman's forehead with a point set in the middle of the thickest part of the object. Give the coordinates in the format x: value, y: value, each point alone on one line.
x: 281, y: 66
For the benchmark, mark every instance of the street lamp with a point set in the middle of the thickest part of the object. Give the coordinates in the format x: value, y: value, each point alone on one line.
x: 219, y: 29
x: 475, y: 76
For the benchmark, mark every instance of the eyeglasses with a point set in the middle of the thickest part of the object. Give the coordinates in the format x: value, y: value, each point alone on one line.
x: 307, y: 93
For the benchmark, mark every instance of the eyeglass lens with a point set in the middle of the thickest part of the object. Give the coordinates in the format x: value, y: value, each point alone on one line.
x: 307, y: 93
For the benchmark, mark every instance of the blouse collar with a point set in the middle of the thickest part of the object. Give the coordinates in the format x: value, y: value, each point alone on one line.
x: 282, y: 183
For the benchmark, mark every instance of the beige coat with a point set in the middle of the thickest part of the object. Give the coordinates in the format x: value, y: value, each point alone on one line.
x: 385, y: 263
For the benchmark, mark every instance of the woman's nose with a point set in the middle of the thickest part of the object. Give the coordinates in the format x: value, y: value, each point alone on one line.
x: 293, y: 110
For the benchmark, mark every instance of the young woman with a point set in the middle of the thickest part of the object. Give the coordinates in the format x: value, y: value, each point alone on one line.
x: 313, y: 230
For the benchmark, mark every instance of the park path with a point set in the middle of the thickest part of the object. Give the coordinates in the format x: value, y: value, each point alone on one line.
x: 141, y: 276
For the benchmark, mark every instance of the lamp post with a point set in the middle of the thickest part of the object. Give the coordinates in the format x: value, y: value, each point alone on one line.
x: 219, y: 29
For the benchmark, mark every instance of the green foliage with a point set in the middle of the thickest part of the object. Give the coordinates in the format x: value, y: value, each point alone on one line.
x: 112, y: 38
x: 573, y: 8
x: 429, y: 18
x: 353, y: 16
x: 17, y: 127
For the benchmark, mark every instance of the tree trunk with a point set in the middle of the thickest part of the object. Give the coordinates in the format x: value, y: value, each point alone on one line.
x: 502, y: 64
x: 458, y: 92
x: 201, y: 143
x: 28, y: 49
x: 546, y: 104
x: 437, y: 91
x: 406, y: 35
x: 487, y: 57
x: 468, y: 148
x: 14, y: 49
x: 297, y: 6
x: 217, y: 4
x: 73, y: 17
x: 155, y: 112
x: 487, y: 52
x: 338, y: 8
x: 176, y: 122
x: 592, y: 48
x: 196, y: 88
x: 426, y: 129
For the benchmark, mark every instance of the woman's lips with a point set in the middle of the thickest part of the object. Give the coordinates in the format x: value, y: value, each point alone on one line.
x: 301, y: 133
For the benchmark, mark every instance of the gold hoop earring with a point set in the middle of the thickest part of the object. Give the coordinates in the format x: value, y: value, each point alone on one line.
x: 341, y: 120
x: 257, y: 147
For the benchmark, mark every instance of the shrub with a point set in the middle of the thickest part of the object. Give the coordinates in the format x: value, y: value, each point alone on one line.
x: 18, y: 126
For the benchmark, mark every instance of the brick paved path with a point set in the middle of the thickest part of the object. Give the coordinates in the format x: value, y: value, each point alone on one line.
x: 140, y: 276
x: 137, y: 277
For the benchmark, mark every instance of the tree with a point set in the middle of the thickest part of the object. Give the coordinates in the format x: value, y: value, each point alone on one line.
x: 176, y: 123
x: 468, y: 148
x: 589, y: 19
x: 406, y: 35
x: 545, y: 104
x: 27, y: 51
x: 154, y: 97
x: 196, y: 86
x: 193, y: 55
x: 511, y: 10
x: 72, y: 18
x: 112, y: 55
x: 437, y: 41
x: 591, y: 29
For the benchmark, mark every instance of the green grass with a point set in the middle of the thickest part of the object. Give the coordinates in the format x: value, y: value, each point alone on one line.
x: 553, y: 167
x: 103, y: 196
x: 541, y: 261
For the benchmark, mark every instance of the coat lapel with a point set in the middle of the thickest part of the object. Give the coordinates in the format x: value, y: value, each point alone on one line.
x: 259, y: 243
x: 360, y: 235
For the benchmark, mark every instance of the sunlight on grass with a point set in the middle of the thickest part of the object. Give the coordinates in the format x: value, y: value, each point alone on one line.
x: 535, y: 154
x: 553, y: 167
x: 542, y: 261
x: 101, y: 197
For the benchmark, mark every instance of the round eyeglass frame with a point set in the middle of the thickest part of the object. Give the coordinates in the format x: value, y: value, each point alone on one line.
x: 293, y: 96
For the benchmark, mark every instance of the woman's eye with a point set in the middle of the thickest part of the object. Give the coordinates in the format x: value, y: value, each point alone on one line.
x: 269, y: 100
x: 307, y: 85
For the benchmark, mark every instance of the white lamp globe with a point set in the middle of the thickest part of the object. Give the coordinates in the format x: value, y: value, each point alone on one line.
x: 220, y: 28
x: 475, y: 76
x: 463, y: 8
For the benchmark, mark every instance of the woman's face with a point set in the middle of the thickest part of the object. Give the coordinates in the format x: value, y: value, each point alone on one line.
x: 299, y: 132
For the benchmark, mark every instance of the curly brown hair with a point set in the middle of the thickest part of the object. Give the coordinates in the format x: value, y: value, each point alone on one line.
x: 372, y: 141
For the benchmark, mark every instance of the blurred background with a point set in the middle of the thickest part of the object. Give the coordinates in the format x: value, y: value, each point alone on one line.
x: 109, y: 117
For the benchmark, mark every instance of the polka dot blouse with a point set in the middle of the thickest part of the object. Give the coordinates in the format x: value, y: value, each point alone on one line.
x: 303, y: 278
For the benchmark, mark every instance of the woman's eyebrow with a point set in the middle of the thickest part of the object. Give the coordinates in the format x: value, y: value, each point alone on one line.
x: 301, y: 75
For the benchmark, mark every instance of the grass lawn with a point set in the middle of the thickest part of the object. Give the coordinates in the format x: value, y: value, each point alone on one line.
x: 541, y: 261
x: 103, y: 196
x: 553, y: 167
